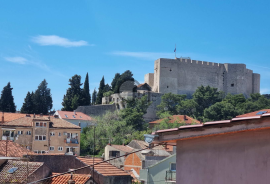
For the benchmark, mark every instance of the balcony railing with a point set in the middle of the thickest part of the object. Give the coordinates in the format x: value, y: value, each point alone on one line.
x: 7, y: 138
x: 170, y: 175
x: 72, y: 140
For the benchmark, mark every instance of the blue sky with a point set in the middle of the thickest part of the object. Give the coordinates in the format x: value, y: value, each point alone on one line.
x: 55, y: 40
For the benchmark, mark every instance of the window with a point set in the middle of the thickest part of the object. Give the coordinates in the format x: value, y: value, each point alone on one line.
x: 80, y: 117
x: 66, y: 116
x: 59, y: 134
x: 36, y: 151
x: 60, y: 148
x: 44, y: 124
x: 52, y: 134
x: 232, y: 85
x: 51, y: 148
x: 20, y: 132
x: 73, y: 116
x: 28, y: 132
x: 37, y: 124
x: 41, y: 124
x: 12, y: 170
x: 42, y: 151
x: 173, y: 167
x: 40, y: 137
x: 114, y: 153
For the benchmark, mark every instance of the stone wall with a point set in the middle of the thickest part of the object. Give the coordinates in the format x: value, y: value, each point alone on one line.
x: 96, y: 110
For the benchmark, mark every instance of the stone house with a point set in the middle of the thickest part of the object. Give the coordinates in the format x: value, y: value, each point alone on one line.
x: 162, y: 172
x: 43, y: 134
x: 227, y: 151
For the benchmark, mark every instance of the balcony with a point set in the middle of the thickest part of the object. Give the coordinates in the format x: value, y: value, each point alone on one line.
x: 72, y: 140
x: 170, y: 176
x: 4, y: 138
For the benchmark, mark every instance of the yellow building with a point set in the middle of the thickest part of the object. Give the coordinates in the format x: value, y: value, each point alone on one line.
x: 43, y: 134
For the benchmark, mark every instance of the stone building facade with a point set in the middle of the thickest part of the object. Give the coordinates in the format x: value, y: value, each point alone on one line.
x: 184, y: 76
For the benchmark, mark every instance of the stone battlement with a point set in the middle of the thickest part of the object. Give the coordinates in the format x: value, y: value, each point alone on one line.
x: 205, y: 63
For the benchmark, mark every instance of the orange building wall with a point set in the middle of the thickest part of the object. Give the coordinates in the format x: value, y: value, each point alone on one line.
x: 133, y: 162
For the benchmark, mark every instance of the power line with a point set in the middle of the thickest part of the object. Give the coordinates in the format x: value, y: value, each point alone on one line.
x: 92, y: 165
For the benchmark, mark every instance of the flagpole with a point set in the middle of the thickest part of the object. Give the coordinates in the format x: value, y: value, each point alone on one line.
x: 175, y: 51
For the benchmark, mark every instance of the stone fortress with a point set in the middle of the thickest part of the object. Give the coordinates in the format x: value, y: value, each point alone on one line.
x: 182, y: 76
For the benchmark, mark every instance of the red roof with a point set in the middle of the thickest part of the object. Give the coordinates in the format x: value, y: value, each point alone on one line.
x: 20, y: 175
x: 122, y: 148
x: 13, y: 149
x: 261, y: 112
x: 74, y: 115
x: 105, y: 168
x: 78, y: 178
x: 28, y: 122
x: 178, y: 118
x: 8, y: 116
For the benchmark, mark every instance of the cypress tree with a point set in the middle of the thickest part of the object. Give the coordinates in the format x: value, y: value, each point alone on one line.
x: 94, y: 97
x: 114, y: 82
x: 42, y: 98
x: 74, y: 90
x: 100, y: 91
x: 28, y: 105
x: 7, y: 101
x: 86, y: 92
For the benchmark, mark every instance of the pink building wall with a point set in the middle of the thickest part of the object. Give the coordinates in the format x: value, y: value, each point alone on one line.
x: 239, y: 158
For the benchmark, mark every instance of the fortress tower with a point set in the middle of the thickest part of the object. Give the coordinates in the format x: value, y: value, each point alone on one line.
x: 184, y: 76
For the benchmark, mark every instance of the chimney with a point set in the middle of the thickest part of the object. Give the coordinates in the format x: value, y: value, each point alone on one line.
x: 27, y: 115
x: 34, y: 115
x: 41, y: 115
x: 3, y: 117
x: 56, y: 116
x: 74, y: 112
x: 185, y: 117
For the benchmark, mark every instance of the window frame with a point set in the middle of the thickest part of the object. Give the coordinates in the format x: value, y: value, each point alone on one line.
x: 51, y: 149
x: 52, y: 134
x: 59, y: 133
x: 171, y: 166
x: 20, y: 132
x: 61, y: 148
x: 28, y: 132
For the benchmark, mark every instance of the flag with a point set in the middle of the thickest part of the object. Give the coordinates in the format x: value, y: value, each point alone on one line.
x: 174, y: 50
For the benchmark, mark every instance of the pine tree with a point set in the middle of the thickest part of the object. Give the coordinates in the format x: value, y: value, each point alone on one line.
x: 42, y: 99
x: 28, y: 105
x: 7, y: 101
x: 86, y: 100
x: 114, y: 82
x: 94, y: 97
x: 72, y: 91
x: 100, y: 91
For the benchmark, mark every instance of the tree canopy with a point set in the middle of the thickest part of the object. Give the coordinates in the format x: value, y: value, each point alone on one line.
x: 7, y: 101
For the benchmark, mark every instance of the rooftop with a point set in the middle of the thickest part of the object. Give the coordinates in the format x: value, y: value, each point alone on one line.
x: 28, y: 122
x: 138, y: 144
x: 179, y: 119
x: 122, y: 148
x: 246, y: 122
x: 256, y: 113
x: 74, y: 115
x: 13, y: 149
x: 20, y: 174
x: 105, y: 168
x: 8, y: 116
x: 78, y: 178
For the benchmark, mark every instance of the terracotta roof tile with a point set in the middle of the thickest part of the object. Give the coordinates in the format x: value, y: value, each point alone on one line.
x: 122, y: 148
x: 253, y: 113
x: 13, y: 149
x: 143, y: 145
x: 20, y: 175
x: 28, y: 122
x: 181, y: 118
x: 71, y: 115
x: 105, y: 168
x: 11, y: 116
x: 78, y: 178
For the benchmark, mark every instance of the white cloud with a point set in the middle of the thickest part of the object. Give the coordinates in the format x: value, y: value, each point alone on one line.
x: 19, y: 60
x: 144, y: 55
x: 46, y: 40
x: 265, y: 91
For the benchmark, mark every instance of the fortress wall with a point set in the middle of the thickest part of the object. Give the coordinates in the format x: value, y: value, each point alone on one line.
x: 149, y: 79
x: 194, y: 73
x: 156, y: 76
x: 256, y: 83
x: 168, y: 76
